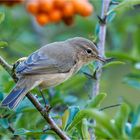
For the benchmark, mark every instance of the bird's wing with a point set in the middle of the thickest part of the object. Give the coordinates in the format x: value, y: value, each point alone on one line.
x: 39, y: 63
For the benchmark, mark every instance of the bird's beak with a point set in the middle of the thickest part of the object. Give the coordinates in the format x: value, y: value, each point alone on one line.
x: 100, y: 58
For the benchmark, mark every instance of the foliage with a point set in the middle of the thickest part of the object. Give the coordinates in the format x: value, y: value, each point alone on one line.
x: 123, y: 125
x: 71, y: 108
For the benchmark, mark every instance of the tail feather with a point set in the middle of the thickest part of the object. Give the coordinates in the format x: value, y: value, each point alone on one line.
x: 17, y: 94
x: 15, y: 102
x: 14, y: 94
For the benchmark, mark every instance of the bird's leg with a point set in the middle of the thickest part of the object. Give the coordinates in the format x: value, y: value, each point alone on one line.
x: 43, y: 97
x: 47, y: 106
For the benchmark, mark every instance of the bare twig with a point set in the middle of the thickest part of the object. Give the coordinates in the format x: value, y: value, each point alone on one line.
x: 111, y: 106
x: 5, y: 65
x: 101, y: 45
x: 36, y: 103
x: 47, y: 117
x: 12, y: 130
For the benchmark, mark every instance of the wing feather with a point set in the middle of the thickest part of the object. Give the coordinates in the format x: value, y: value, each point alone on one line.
x: 40, y: 63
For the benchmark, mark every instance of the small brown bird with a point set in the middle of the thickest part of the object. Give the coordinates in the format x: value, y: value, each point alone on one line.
x: 50, y: 66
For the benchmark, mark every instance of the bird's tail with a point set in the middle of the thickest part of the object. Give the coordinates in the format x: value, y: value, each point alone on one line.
x: 18, y: 93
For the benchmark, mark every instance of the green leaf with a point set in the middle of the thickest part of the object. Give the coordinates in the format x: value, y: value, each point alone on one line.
x: 4, y: 123
x: 123, y: 5
x: 65, y: 119
x: 122, y: 56
x: 101, y: 133
x: 2, y: 16
x: 6, y: 112
x: 97, y: 29
x: 3, y: 44
x: 133, y: 80
x: 137, y: 65
x: 101, y: 118
x: 136, y: 133
x: 1, y: 96
x: 111, y: 16
x: 112, y: 63
x: 23, y: 131
x: 121, y: 118
x: 96, y: 101
x: 84, y: 128
x: 136, y: 117
x: 68, y: 116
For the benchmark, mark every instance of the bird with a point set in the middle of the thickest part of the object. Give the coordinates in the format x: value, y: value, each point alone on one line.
x: 50, y: 66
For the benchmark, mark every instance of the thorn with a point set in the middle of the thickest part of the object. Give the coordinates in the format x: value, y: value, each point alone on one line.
x: 89, y: 75
x: 48, y: 108
x: 102, y: 20
x: 110, y: 60
x: 96, y: 43
x: 46, y: 129
x: 95, y: 73
x: 36, y: 96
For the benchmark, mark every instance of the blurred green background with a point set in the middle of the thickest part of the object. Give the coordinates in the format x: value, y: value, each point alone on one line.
x: 121, y: 81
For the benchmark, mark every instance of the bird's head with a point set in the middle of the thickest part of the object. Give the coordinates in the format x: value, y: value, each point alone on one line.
x: 86, y: 49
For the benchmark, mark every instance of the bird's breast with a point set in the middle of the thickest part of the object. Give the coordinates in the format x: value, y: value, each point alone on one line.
x: 51, y: 80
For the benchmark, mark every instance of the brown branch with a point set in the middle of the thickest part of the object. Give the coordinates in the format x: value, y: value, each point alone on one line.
x: 36, y: 103
x: 101, y: 45
x: 5, y: 65
x: 12, y: 130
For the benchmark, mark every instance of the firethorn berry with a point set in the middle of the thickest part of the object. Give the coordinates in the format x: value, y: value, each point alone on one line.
x: 82, y: 7
x: 87, y: 10
x: 53, y: 11
x: 42, y: 19
x: 68, y: 20
x: 68, y: 9
x: 55, y: 15
x: 46, y: 5
x: 59, y: 3
x: 32, y: 6
x: 11, y: 2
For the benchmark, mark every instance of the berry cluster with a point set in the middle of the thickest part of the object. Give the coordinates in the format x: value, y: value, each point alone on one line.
x: 10, y: 2
x: 54, y: 11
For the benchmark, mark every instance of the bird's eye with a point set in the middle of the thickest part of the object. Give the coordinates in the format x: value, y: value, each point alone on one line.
x: 89, y: 51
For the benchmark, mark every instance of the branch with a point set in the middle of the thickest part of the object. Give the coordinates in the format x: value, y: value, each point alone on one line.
x: 5, y: 65
x: 12, y: 130
x: 101, y: 45
x: 36, y: 103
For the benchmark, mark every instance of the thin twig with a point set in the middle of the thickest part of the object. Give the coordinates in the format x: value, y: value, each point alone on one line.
x: 47, y: 117
x: 12, y: 130
x: 5, y: 65
x: 101, y: 50
x: 101, y: 46
x: 107, y: 107
x: 36, y: 103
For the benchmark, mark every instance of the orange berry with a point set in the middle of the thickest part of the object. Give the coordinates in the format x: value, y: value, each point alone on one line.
x: 46, y: 5
x: 42, y: 19
x: 68, y: 20
x: 32, y: 7
x: 87, y: 10
x: 59, y: 3
x: 11, y: 2
x: 55, y: 15
x: 68, y: 9
x: 83, y: 8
